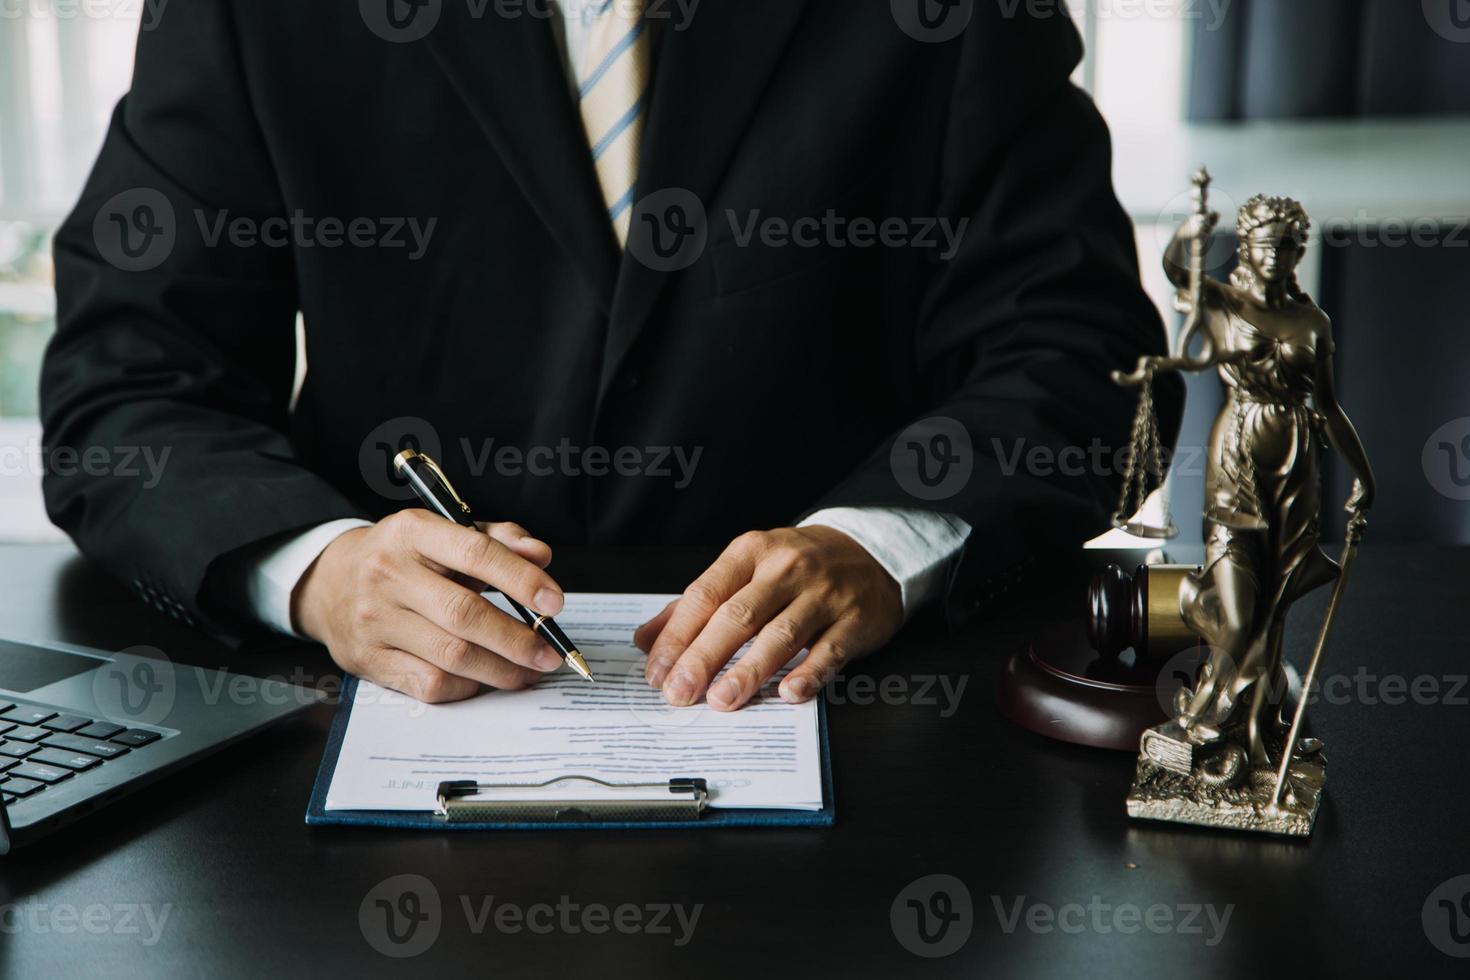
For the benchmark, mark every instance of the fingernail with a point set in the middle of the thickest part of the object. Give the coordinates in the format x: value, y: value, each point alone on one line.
x: 656, y: 673
x: 799, y: 689
x: 724, y: 694
x: 679, y: 690
x: 548, y: 602
x: 547, y: 659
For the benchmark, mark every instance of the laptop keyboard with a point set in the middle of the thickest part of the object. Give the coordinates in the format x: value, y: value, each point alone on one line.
x: 41, y: 746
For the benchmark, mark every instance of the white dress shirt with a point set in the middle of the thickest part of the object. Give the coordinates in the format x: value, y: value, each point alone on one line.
x: 916, y: 547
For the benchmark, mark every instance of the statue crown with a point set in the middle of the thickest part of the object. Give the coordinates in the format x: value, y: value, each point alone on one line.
x: 1261, y: 211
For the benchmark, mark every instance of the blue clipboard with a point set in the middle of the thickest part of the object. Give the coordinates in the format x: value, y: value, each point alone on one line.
x: 317, y: 814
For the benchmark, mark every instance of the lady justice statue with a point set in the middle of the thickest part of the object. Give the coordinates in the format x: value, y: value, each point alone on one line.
x: 1229, y: 758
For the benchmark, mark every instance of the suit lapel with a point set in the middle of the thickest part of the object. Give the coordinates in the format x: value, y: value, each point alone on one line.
x: 708, y: 78
x: 509, y: 73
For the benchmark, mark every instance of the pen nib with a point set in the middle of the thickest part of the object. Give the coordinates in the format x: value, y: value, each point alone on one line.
x: 574, y: 659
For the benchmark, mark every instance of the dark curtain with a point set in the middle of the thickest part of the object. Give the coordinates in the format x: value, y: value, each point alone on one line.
x: 1403, y: 354
x: 1275, y: 59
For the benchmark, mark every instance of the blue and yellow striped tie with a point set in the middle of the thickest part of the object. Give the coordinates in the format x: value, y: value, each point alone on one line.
x: 614, y: 83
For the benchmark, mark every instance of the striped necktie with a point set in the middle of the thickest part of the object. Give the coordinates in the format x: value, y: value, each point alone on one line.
x: 614, y: 82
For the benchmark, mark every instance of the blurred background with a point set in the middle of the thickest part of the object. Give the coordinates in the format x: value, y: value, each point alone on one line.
x: 1358, y: 108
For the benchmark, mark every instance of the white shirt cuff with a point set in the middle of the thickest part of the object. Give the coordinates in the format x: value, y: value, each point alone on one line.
x: 274, y: 575
x: 914, y: 546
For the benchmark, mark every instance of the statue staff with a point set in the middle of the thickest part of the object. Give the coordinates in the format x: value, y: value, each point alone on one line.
x: 1357, y: 523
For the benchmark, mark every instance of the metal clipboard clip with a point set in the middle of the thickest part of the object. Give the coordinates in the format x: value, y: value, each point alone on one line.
x: 680, y: 799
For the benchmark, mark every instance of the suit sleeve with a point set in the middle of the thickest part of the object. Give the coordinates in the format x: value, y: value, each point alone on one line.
x: 170, y: 340
x: 1015, y: 336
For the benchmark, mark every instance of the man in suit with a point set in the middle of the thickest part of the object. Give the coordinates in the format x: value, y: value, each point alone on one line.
x: 815, y: 278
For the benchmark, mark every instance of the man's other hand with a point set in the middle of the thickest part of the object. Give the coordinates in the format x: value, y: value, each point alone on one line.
x: 399, y: 604
x: 787, y: 589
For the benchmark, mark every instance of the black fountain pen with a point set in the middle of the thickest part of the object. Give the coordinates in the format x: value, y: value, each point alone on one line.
x: 438, y: 494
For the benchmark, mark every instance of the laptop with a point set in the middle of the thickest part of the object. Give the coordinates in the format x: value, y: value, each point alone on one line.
x: 80, y: 727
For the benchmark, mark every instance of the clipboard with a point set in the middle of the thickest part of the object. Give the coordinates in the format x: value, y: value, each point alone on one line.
x: 658, y: 811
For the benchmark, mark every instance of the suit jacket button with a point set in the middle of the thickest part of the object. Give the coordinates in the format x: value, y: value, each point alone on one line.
x: 627, y: 383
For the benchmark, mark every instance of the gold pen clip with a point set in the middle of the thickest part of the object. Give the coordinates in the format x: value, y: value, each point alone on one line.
x: 401, y: 461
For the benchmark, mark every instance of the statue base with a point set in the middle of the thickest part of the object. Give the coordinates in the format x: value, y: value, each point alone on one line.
x: 1207, y: 786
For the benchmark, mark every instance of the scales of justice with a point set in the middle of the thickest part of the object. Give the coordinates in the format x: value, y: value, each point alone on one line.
x: 1234, y: 754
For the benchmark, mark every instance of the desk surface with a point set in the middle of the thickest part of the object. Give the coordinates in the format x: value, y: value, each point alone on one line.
x: 926, y: 785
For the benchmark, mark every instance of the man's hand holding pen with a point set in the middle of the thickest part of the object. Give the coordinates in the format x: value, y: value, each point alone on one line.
x: 392, y: 605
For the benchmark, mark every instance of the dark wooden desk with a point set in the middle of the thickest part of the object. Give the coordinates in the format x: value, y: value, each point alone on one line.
x: 249, y: 890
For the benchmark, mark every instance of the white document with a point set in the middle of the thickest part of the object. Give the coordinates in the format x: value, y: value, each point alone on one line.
x: 397, y: 750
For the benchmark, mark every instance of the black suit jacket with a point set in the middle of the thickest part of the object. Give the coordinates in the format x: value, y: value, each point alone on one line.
x: 790, y: 370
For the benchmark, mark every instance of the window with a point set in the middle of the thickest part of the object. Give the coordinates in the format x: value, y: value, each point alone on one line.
x: 63, y: 66
x: 1136, y: 59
